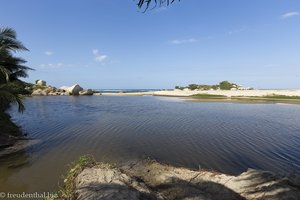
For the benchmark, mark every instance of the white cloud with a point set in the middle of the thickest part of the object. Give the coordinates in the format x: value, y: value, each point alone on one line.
x: 289, y: 14
x: 98, y: 56
x: 54, y: 65
x: 48, y: 53
x: 184, y: 41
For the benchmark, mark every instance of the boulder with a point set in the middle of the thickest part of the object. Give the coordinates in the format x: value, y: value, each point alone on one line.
x: 64, y: 93
x: 86, y: 92
x: 73, y: 90
x: 39, y: 92
x: 152, y: 180
x: 60, y: 90
x: 41, y: 82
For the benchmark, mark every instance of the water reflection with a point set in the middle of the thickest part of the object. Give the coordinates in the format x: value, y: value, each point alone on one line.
x: 225, y: 137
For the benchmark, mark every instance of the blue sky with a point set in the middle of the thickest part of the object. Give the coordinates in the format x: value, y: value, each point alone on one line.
x: 111, y: 44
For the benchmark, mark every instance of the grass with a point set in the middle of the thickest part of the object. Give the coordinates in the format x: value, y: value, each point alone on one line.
x: 269, y: 97
x: 208, y: 96
x: 274, y: 96
x: 67, y: 191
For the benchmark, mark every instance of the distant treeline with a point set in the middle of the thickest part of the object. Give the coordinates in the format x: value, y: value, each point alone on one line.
x: 224, y: 85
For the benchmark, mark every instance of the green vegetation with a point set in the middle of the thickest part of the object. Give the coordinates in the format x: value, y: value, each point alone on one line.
x: 11, y: 69
x: 179, y: 88
x: 66, y: 192
x: 224, y: 85
x: 209, y: 96
x: 75, y: 168
x: 36, y: 87
x: 12, y: 88
x: 274, y: 96
x: 268, y: 97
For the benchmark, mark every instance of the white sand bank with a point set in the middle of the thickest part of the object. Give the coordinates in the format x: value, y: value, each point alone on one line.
x: 228, y: 93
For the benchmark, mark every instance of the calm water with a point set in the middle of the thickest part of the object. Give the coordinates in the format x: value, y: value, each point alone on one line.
x: 221, y: 136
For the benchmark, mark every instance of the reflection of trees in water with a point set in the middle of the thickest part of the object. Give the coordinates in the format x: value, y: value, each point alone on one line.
x: 10, y: 166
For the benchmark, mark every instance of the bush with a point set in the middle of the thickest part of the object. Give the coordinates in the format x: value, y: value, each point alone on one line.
x: 193, y: 86
x: 226, y: 85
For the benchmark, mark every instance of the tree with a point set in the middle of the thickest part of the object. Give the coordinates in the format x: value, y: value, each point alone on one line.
x: 193, y: 86
x: 225, y: 85
x: 148, y: 3
x: 11, y: 69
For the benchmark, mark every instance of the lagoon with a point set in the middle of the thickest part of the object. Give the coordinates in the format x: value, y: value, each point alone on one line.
x: 225, y: 137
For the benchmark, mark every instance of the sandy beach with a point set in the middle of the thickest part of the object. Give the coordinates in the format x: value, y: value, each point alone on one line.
x: 228, y: 93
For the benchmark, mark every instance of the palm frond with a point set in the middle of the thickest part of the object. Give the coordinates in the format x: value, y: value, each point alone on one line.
x: 12, y: 44
x: 4, y: 73
x: 147, y: 3
x: 7, y: 97
x: 11, y: 69
x: 8, y: 32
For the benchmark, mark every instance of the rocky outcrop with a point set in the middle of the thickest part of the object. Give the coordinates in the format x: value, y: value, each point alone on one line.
x: 152, y: 180
x: 73, y: 90
x: 86, y: 92
x: 40, y: 89
x: 39, y: 92
x: 40, y: 83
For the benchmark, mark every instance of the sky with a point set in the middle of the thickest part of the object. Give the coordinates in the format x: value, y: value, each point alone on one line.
x: 111, y: 44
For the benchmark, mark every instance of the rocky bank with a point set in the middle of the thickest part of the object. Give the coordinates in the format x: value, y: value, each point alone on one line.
x: 152, y: 180
x: 41, y: 89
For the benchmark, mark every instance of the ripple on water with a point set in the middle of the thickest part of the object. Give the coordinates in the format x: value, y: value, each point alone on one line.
x: 226, y: 137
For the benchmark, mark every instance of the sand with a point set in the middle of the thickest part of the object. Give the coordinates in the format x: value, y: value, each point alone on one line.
x: 228, y: 93
x: 152, y: 180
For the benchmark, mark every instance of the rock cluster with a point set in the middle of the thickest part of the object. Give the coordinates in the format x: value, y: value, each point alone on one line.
x: 41, y: 89
x: 40, y: 82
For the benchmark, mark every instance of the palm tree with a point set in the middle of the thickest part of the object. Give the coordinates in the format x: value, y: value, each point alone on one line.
x: 147, y: 3
x: 11, y: 69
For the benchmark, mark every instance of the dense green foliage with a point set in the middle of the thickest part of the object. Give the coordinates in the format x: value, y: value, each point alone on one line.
x: 11, y: 69
x: 224, y: 85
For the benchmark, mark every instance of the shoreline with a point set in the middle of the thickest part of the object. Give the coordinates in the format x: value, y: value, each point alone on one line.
x: 150, y: 179
x: 225, y: 93
x: 237, y: 96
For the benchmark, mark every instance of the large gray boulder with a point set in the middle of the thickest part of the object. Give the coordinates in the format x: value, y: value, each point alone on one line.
x: 73, y: 90
x: 39, y: 92
x: 86, y: 92
x: 41, y: 82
